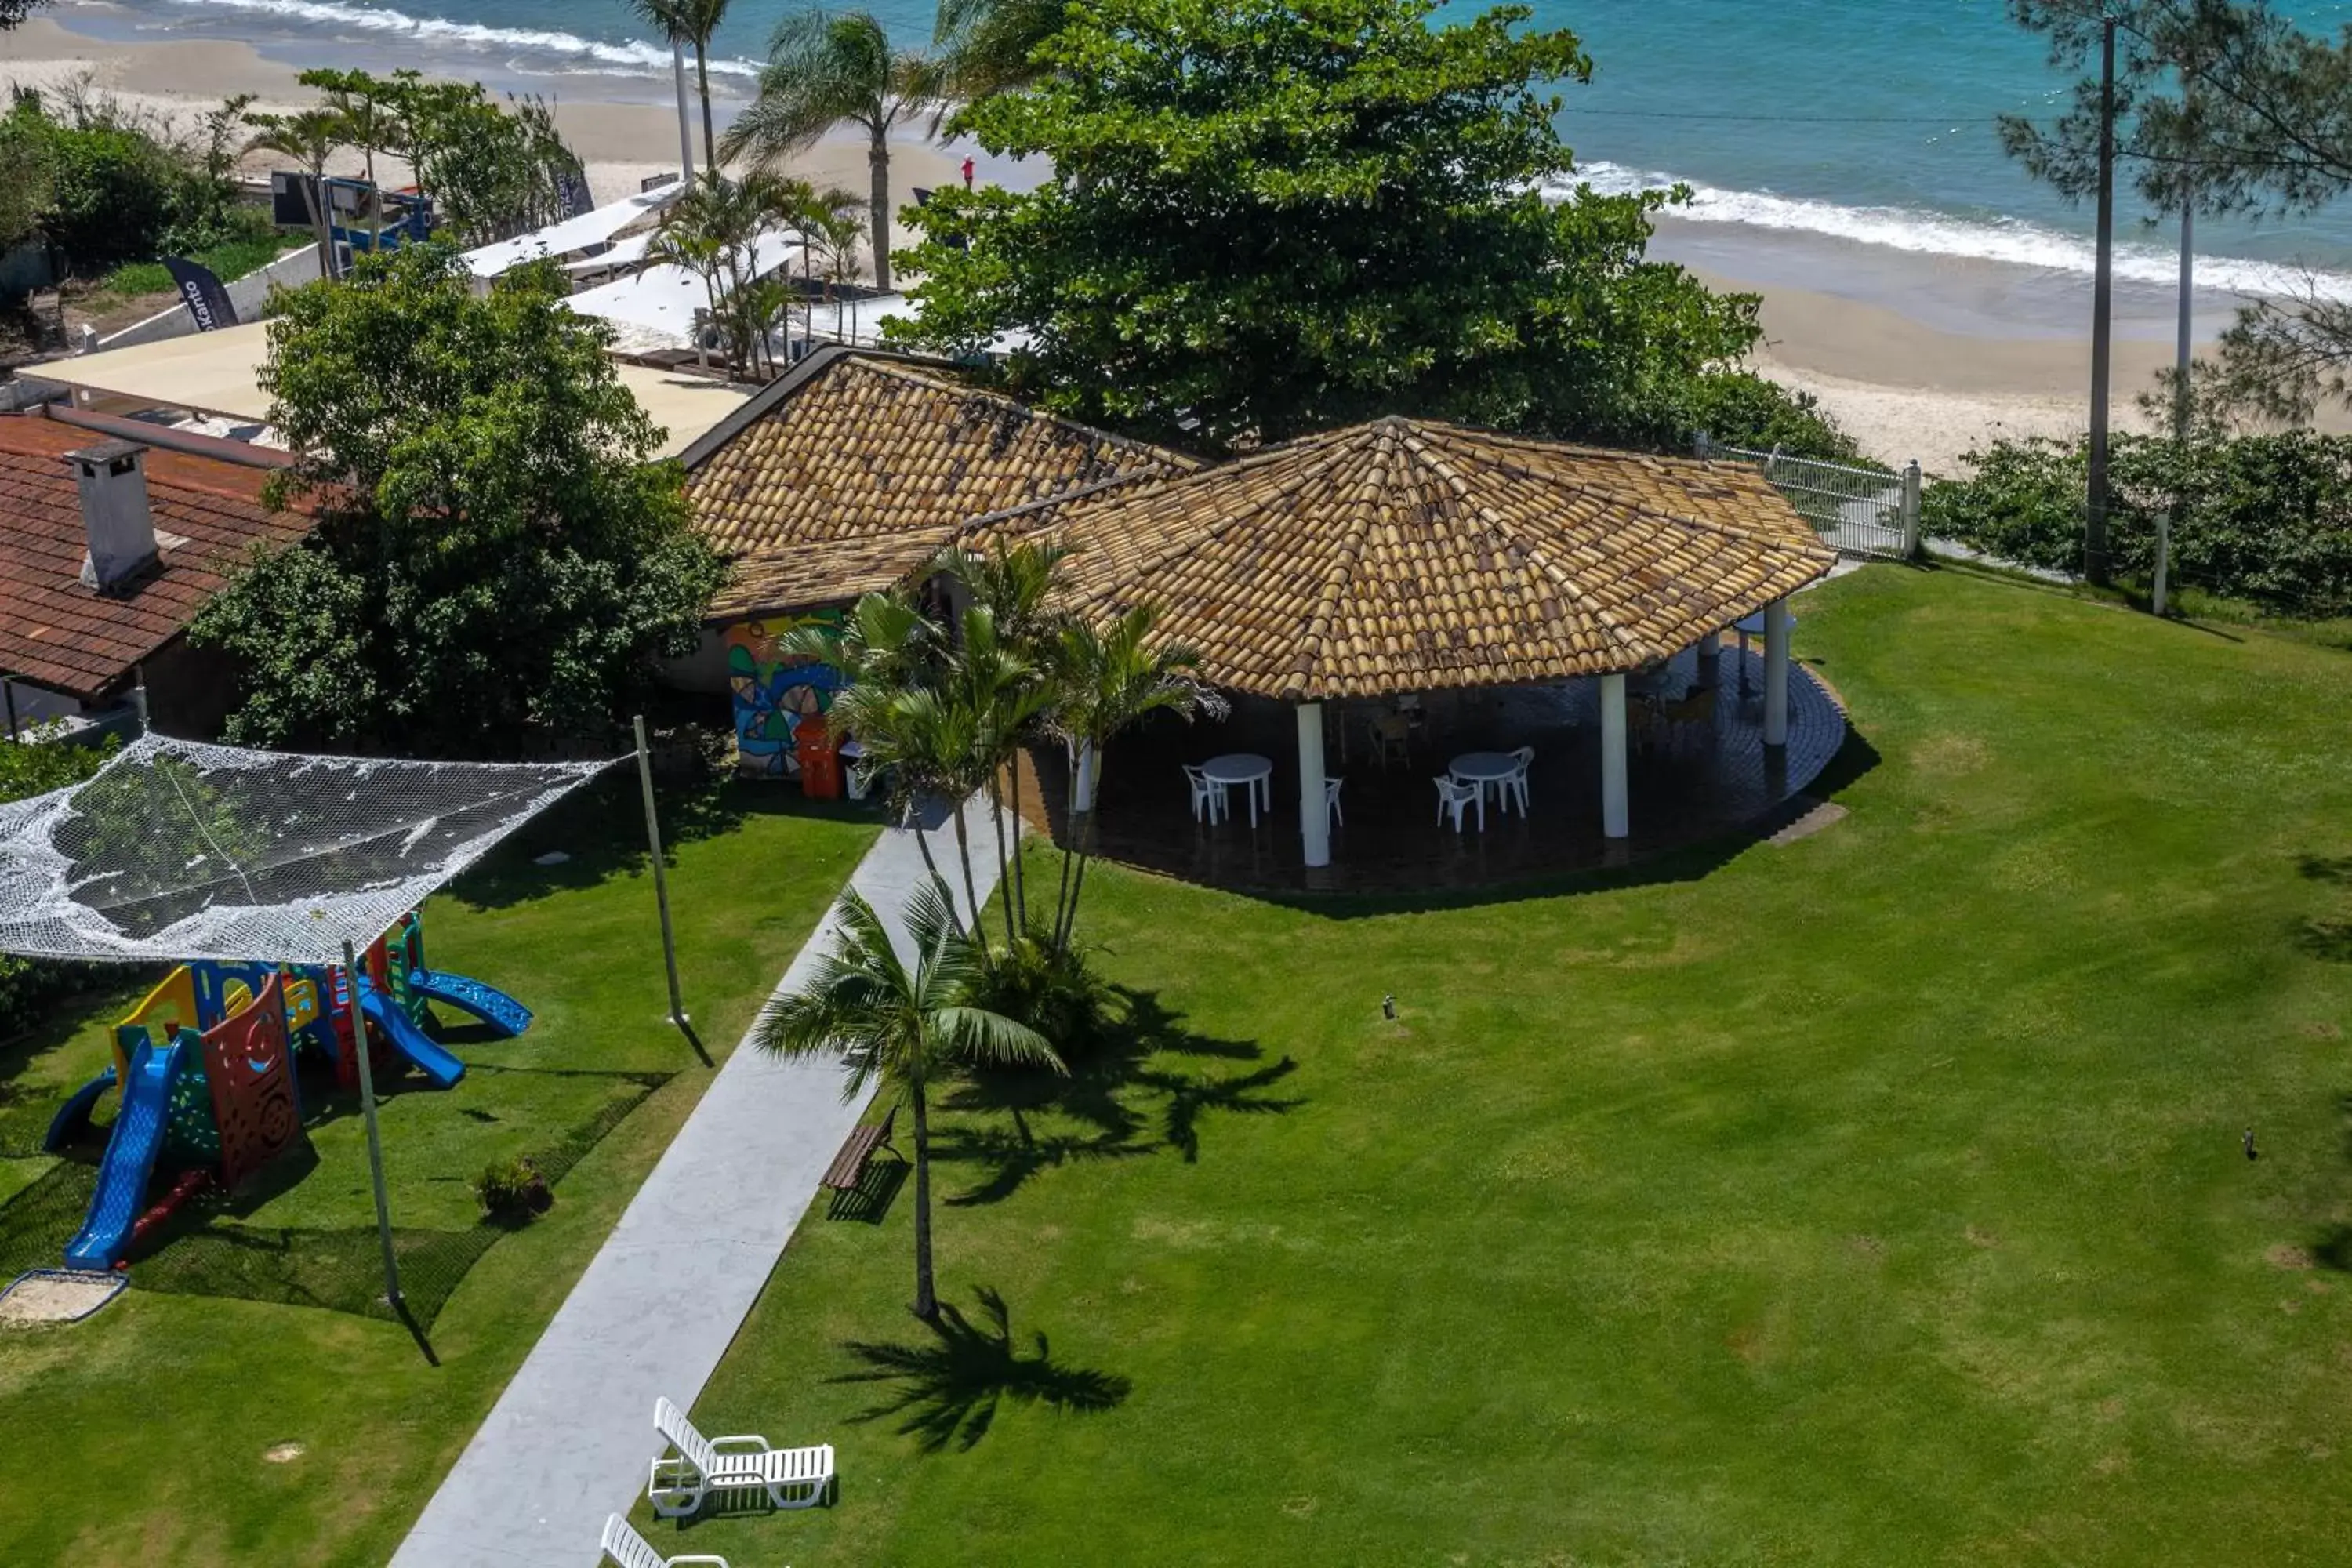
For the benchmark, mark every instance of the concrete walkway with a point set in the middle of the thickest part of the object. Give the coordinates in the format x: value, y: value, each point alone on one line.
x: 568, y: 1441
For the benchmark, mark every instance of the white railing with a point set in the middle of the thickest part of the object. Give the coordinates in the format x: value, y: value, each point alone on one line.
x: 1862, y: 511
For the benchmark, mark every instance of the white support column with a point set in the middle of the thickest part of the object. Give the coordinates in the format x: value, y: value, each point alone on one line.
x: 1314, y: 809
x: 1084, y: 800
x: 1710, y: 660
x: 1612, y: 756
x: 1776, y: 673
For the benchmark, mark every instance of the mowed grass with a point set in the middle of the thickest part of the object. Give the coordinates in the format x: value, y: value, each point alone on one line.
x: 1877, y: 1198
x: 146, y: 1435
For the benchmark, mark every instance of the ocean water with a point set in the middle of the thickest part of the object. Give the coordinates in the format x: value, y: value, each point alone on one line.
x: 1861, y: 123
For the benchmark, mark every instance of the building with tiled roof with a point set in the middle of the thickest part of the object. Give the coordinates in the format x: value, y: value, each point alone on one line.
x: 1407, y: 556
x: 855, y: 468
x: 107, y: 548
x: 842, y: 478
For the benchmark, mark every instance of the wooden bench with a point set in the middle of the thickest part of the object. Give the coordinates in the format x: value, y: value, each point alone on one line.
x: 848, y: 1167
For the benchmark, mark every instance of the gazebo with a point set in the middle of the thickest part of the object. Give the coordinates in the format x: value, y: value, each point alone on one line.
x: 1404, y: 557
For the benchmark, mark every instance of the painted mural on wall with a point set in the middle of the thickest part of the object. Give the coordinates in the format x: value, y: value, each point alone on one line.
x: 773, y: 693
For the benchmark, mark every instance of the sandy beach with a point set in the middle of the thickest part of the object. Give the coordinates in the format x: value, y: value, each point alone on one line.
x: 1919, y: 357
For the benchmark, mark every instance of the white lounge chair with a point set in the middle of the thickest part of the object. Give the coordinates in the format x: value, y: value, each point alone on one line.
x: 792, y: 1477
x: 626, y: 1547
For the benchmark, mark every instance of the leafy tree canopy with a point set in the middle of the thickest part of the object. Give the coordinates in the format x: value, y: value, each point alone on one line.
x: 2231, y: 106
x: 1266, y: 219
x: 496, y: 553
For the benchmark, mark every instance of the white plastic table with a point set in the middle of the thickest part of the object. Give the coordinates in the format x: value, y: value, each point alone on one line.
x: 1244, y: 768
x: 1487, y: 770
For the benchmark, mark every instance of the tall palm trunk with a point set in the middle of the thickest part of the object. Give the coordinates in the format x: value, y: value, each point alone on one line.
x: 1069, y: 843
x: 1086, y: 851
x: 1020, y: 883
x: 927, y: 1299
x: 877, y: 167
x: 970, y: 888
x: 702, y: 80
x: 923, y: 846
x: 1003, y: 872
x: 315, y: 198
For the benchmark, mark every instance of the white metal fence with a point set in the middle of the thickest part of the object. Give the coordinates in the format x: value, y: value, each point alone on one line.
x: 1862, y: 511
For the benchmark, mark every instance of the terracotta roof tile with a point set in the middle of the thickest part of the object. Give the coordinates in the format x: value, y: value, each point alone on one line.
x: 55, y: 633
x: 870, y: 451
x: 1407, y: 556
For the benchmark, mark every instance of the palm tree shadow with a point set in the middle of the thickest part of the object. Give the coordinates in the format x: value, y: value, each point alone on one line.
x: 946, y: 1393
x: 1108, y: 1088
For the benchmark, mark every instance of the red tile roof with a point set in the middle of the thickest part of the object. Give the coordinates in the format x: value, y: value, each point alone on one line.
x: 55, y: 633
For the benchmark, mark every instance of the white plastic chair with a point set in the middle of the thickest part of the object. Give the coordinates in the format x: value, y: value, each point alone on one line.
x: 1453, y: 795
x: 1514, y: 785
x: 1331, y: 800
x: 792, y: 1477
x: 1208, y: 796
x: 626, y: 1547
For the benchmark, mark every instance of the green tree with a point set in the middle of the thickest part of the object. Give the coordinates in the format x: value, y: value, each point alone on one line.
x: 682, y: 22
x: 27, y: 175
x: 496, y: 556
x: 1266, y: 219
x: 310, y: 137
x: 11, y: 12
x: 374, y: 121
x: 2231, y: 106
x: 907, y: 1026
x: 988, y: 46
x: 1106, y: 680
x: 823, y: 69
x: 39, y: 761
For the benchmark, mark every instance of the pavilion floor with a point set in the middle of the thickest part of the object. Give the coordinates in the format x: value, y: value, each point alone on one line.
x: 1707, y: 782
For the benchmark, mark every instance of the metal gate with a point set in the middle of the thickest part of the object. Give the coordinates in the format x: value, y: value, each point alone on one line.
x: 1862, y: 511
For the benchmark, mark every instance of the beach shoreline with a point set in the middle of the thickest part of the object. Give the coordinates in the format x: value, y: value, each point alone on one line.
x: 1920, y: 356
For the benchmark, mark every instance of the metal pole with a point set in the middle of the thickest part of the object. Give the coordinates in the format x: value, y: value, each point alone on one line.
x: 2094, y: 533
x: 374, y: 1137
x: 8, y: 691
x: 661, y: 881
x: 2182, y: 353
x: 685, y: 123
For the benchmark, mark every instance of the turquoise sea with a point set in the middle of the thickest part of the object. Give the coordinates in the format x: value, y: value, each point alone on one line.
x: 1861, y: 124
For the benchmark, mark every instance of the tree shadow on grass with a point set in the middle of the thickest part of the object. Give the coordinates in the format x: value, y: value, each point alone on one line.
x: 2328, y: 939
x: 946, y: 1393
x: 1123, y: 1088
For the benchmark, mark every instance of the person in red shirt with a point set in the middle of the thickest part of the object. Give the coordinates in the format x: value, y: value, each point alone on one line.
x: 967, y: 170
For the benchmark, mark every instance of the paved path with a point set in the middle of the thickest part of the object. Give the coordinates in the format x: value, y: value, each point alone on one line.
x: 568, y: 1441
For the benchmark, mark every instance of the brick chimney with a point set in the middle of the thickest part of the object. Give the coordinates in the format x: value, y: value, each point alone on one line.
x: 115, y: 516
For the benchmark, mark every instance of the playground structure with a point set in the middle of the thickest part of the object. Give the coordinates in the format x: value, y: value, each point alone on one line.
x: 206, y: 1064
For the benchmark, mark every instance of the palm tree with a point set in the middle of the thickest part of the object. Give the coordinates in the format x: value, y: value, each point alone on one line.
x: 902, y: 1025
x: 309, y: 137
x: 374, y: 121
x: 684, y: 22
x: 1001, y: 692
x: 1013, y: 586
x: 1105, y: 682
x: 821, y: 69
x: 833, y: 238
x: 988, y: 46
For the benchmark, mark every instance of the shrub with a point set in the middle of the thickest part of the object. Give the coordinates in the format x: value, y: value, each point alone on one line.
x: 513, y: 1192
x: 2266, y: 519
x: 1740, y: 408
x: 1052, y: 992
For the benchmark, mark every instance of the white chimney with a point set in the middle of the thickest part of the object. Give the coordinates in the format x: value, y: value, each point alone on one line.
x: 115, y: 515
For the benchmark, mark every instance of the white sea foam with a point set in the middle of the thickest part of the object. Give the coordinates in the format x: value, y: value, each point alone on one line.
x: 632, y: 57
x: 2004, y: 239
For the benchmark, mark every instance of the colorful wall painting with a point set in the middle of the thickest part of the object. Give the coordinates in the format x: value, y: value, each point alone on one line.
x: 773, y: 693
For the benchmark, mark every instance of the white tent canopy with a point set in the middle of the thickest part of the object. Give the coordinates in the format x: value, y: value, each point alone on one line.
x: 662, y: 300
x: 176, y: 851
x: 572, y: 234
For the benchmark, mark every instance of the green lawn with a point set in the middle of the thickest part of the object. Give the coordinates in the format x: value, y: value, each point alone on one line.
x: 143, y: 1435
x: 1878, y: 1199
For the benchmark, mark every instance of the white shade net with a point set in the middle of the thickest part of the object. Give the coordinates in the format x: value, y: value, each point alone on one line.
x: 175, y: 850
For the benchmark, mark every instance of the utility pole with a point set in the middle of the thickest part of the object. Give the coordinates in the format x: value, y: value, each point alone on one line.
x: 2094, y: 533
x: 2182, y: 352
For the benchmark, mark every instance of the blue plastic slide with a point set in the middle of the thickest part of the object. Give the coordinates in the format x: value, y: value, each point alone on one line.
x: 386, y: 1020
x: 487, y: 1003
x: 72, y: 1119
x: 130, y: 1159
